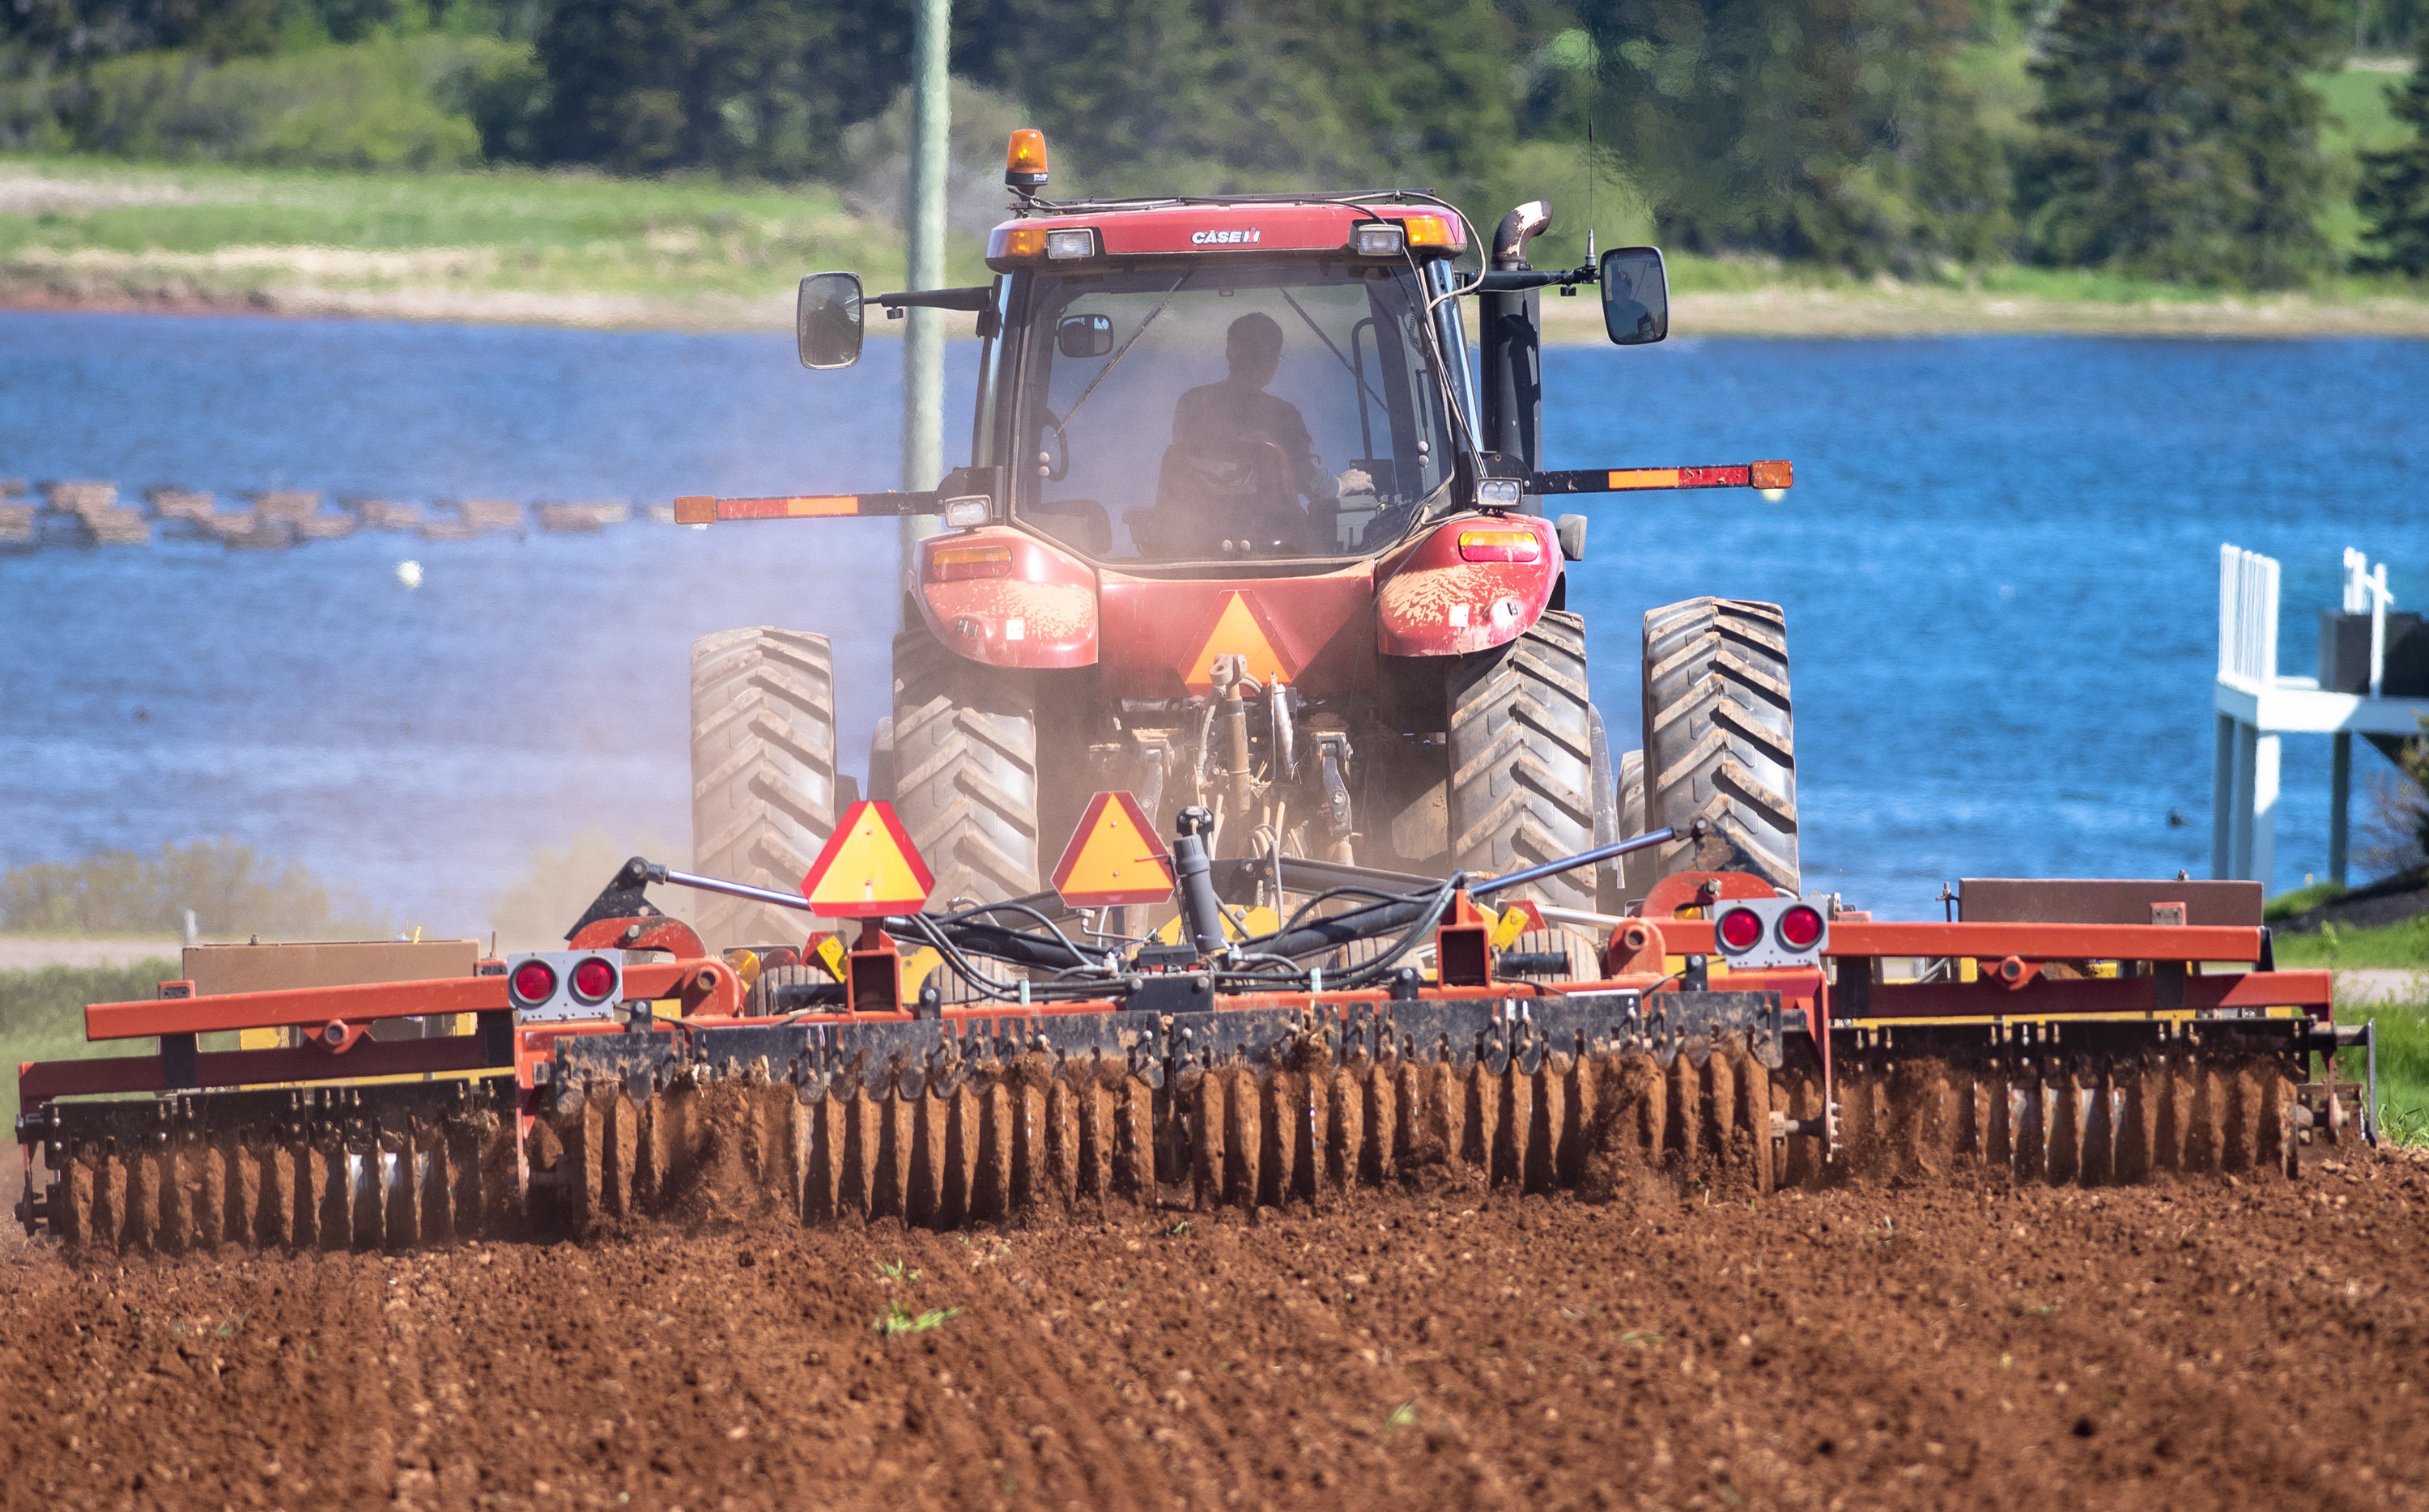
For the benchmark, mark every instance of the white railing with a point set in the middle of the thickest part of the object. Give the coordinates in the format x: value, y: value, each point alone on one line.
x: 2247, y: 616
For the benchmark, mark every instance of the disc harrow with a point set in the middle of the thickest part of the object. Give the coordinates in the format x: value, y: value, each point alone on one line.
x: 1732, y: 1040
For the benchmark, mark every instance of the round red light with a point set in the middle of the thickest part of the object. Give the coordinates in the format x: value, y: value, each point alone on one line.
x: 1741, y: 929
x: 535, y: 981
x: 593, y: 979
x: 1800, y: 927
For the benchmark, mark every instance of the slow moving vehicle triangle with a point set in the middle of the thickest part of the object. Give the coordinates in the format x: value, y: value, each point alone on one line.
x: 868, y: 869
x: 1238, y: 633
x: 1114, y: 858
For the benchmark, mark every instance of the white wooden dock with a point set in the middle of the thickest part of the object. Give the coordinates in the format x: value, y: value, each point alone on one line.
x: 2256, y: 705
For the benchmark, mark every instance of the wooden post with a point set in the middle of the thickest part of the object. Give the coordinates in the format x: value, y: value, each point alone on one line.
x: 2340, y: 803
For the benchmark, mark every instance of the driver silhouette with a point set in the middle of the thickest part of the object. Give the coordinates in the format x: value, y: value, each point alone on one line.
x: 1237, y: 414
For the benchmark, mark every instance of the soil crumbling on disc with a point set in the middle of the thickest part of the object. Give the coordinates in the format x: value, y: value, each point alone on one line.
x: 2215, y: 1340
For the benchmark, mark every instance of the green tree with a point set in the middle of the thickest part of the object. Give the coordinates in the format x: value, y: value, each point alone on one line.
x: 2394, y: 190
x: 1828, y: 130
x: 759, y: 87
x: 1165, y: 95
x: 50, y: 34
x: 2175, y: 139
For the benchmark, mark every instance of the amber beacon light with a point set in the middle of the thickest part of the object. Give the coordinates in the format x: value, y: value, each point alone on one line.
x: 1024, y: 161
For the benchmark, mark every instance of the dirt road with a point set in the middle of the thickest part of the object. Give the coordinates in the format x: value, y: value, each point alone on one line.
x: 2197, y: 1342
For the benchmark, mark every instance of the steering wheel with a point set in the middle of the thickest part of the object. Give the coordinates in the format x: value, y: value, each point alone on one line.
x: 1059, y: 466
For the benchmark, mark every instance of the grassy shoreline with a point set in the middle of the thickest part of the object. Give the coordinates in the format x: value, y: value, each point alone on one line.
x: 523, y: 247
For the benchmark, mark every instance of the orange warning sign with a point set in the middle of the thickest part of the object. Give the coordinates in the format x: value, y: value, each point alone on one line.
x: 1114, y: 858
x: 1238, y: 633
x: 869, y: 869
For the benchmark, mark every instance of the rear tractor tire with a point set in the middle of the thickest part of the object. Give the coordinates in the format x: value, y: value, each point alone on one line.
x: 1720, y: 741
x: 1521, y: 752
x: 764, y: 790
x: 965, y: 771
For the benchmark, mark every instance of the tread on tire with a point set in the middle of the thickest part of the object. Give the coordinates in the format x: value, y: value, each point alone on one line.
x: 1521, y: 753
x: 1720, y: 738
x: 965, y: 771
x: 764, y: 793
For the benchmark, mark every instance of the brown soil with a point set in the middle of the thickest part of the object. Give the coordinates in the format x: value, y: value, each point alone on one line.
x: 2202, y: 1340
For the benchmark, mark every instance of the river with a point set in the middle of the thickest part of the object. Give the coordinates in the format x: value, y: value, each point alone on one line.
x: 1999, y: 566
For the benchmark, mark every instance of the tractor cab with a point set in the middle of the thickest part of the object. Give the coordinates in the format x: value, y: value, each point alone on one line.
x: 1229, y: 383
x: 1247, y: 380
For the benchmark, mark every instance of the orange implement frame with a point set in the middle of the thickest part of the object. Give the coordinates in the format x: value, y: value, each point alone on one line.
x: 2163, y: 980
x: 1996, y: 941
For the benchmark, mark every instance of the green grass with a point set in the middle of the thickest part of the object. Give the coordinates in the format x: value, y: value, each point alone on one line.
x: 2402, y: 1035
x: 2301, y: 900
x: 524, y: 244
x: 2357, y: 120
x: 41, y: 1015
x: 2397, y: 945
x: 224, y: 230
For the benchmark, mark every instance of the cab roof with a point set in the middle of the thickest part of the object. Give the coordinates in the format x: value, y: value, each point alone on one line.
x: 1246, y: 223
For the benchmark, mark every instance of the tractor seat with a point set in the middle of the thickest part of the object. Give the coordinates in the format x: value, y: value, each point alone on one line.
x: 1237, y: 489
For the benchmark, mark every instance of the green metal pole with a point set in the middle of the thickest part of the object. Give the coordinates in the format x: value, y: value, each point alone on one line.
x: 923, y: 342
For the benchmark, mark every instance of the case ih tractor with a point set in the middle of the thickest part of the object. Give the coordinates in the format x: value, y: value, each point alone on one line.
x: 1249, y: 527
x: 1247, y: 534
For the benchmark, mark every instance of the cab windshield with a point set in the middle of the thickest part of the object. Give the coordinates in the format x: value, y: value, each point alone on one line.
x: 1210, y: 412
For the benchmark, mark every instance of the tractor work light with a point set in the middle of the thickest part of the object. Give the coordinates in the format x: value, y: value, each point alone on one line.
x: 1800, y: 928
x: 957, y: 564
x: 1738, y: 931
x: 1024, y: 161
x: 534, y: 982
x: 968, y: 512
x: 1499, y: 545
x: 1062, y: 246
x: 1383, y: 240
x: 1497, y: 493
x: 594, y: 979
x: 1015, y: 242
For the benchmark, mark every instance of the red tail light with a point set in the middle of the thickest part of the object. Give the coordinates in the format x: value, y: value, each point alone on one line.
x: 593, y: 979
x: 1741, y: 929
x: 535, y: 981
x: 953, y: 564
x: 1501, y: 546
x: 1800, y: 927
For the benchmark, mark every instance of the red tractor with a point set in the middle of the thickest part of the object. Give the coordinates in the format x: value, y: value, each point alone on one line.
x: 1249, y: 526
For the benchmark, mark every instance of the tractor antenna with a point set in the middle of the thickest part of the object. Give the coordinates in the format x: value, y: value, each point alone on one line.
x: 1593, y: 171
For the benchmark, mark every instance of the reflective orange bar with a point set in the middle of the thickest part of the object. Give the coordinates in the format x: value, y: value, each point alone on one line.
x: 1626, y: 478
x: 798, y: 507
x: 701, y: 509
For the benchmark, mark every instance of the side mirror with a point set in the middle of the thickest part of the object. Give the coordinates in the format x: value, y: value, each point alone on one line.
x: 1084, y: 335
x: 1635, y: 296
x: 826, y: 320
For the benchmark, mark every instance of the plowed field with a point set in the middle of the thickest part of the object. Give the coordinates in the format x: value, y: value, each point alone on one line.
x: 2202, y: 1342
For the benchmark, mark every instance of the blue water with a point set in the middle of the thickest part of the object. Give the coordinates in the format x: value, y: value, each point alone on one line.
x: 1999, y: 566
